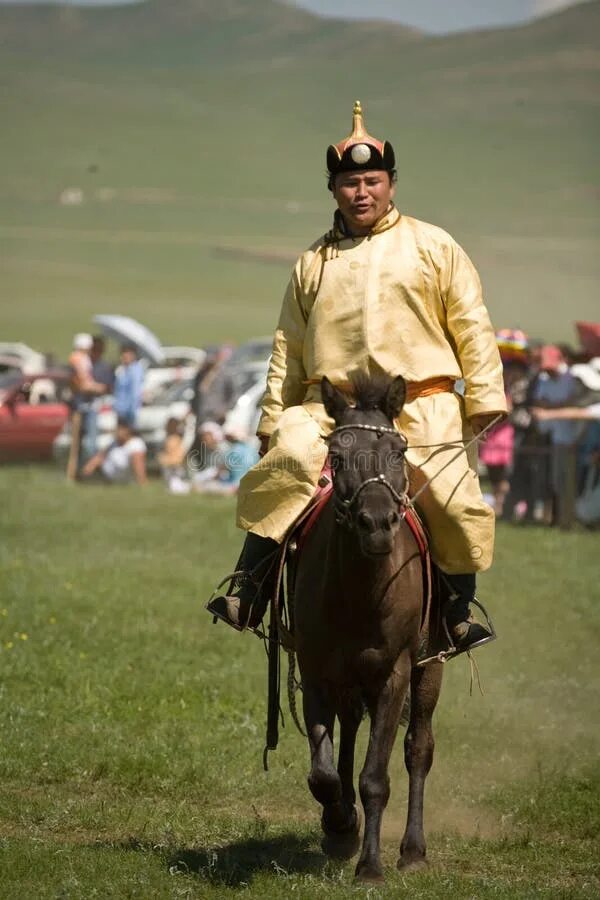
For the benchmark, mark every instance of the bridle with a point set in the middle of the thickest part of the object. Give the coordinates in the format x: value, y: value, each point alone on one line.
x: 343, y: 508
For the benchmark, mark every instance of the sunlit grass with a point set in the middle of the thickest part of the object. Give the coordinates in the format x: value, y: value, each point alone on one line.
x: 131, y: 728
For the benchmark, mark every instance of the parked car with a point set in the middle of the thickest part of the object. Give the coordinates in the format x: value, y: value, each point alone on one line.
x: 33, y: 411
x: 244, y: 416
x: 180, y: 364
x: 174, y: 402
x: 14, y: 355
x: 248, y: 364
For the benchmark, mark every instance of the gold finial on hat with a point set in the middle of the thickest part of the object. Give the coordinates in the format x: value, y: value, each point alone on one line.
x: 358, y: 126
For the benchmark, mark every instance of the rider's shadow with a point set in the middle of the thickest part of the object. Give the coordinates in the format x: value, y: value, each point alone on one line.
x: 237, y: 863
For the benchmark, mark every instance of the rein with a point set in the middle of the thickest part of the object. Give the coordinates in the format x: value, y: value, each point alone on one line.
x: 474, y: 440
x: 344, y: 507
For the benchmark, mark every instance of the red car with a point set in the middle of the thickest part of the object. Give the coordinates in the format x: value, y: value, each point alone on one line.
x: 33, y: 410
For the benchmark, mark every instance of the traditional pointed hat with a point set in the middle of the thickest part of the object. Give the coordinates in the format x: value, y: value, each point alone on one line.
x: 360, y: 151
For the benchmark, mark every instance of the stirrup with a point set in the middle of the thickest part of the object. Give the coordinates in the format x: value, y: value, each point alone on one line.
x: 453, y: 650
x: 234, y: 581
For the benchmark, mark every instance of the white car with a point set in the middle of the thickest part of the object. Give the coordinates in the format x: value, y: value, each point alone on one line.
x: 174, y: 403
x: 244, y: 415
x: 14, y: 355
x: 180, y: 364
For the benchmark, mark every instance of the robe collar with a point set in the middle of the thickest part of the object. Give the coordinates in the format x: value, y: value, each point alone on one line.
x: 341, y: 232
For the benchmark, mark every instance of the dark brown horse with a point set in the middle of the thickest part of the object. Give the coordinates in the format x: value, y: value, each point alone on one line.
x: 359, y: 602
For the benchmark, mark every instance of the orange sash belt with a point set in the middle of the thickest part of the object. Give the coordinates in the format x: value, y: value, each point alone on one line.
x: 414, y: 389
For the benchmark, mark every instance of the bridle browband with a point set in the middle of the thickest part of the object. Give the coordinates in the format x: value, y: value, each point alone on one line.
x: 343, y: 508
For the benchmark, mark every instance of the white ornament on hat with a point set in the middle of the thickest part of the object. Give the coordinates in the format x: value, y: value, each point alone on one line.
x: 360, y: 154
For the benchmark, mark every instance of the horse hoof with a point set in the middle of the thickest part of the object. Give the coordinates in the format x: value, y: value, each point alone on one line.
x: 368, y: 876
x: 341, y: 846
x: 407, y: 864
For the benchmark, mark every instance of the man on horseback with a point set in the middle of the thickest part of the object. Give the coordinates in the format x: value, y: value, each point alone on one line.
x: 381, y: 293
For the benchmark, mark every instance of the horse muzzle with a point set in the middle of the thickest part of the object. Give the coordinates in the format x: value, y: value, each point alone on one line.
x: 376, y: 533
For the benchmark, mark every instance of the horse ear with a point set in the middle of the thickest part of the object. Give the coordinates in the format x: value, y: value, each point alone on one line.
x: 395, y: 397
x: 333, y: 399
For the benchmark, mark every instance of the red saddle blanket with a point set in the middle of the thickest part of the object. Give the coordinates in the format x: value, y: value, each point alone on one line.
x: 298, y: 533
x: 307, y: 521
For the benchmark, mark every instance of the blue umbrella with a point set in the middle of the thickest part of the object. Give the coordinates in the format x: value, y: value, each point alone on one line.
x: 128, y: 331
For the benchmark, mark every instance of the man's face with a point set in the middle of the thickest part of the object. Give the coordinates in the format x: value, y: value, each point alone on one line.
x: 363, y: 198
x: 127, y: 357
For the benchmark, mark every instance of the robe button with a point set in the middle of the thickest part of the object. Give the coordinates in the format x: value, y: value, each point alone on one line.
x: 354, y: 264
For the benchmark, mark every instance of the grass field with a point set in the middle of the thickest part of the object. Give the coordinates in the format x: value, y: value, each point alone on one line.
x: 131, y: 729
x: 193, y: 126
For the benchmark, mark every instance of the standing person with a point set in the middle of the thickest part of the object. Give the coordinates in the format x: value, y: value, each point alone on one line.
x: 556, y: 387
x: 381, y: 293
x: 85, y: 390
x: 529, y: 477
x: 129, y: 383
x: 102, y: 370
x: 497, y: 454
x: 214, y: 390
x: 102, y: 373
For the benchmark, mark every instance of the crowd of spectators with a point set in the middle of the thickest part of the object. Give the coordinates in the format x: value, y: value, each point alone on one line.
x: 546, y: 454
x: 218, y: 457
x: 543, y: 456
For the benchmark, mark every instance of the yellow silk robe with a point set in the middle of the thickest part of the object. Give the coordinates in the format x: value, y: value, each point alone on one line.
x: 405, y: 300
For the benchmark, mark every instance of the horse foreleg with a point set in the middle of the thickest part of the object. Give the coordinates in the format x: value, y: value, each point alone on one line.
x: 418, y: 756
x: 374, y: 783
x: 350, y: 717
x: 340, y: 821
x: 323, y: 780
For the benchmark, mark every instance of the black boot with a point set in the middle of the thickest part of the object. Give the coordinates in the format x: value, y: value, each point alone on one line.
x: 246, y: 607
x: 465, y: 631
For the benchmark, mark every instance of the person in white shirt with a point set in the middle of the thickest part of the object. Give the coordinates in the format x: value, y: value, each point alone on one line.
x: 124, y: 461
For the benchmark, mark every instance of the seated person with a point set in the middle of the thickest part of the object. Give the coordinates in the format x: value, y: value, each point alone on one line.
x: 237, y: 457
x: 206, y: 459
x: 172, y: 455
x: 124, y: 461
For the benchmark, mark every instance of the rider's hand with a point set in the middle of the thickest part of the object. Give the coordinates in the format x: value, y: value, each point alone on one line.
x: 478, y: 423
x: 264, y: 444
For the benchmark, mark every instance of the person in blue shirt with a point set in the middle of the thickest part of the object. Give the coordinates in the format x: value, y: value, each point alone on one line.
x: 240, y: 456
x: 129, y: 381
x: 232, y: 459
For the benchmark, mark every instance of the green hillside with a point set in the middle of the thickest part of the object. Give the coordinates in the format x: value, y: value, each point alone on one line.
x: 195, y: 132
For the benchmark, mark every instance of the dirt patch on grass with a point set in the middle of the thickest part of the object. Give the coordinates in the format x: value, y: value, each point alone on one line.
x: 461, y: 819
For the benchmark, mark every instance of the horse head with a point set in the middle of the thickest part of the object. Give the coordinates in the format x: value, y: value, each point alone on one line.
x: 366, y: 453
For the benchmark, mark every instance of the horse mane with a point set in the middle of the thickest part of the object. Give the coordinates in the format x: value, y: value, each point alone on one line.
x: 370, y: 391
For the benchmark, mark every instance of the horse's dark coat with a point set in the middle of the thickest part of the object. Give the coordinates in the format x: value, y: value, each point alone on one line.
x: 358, y: 599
